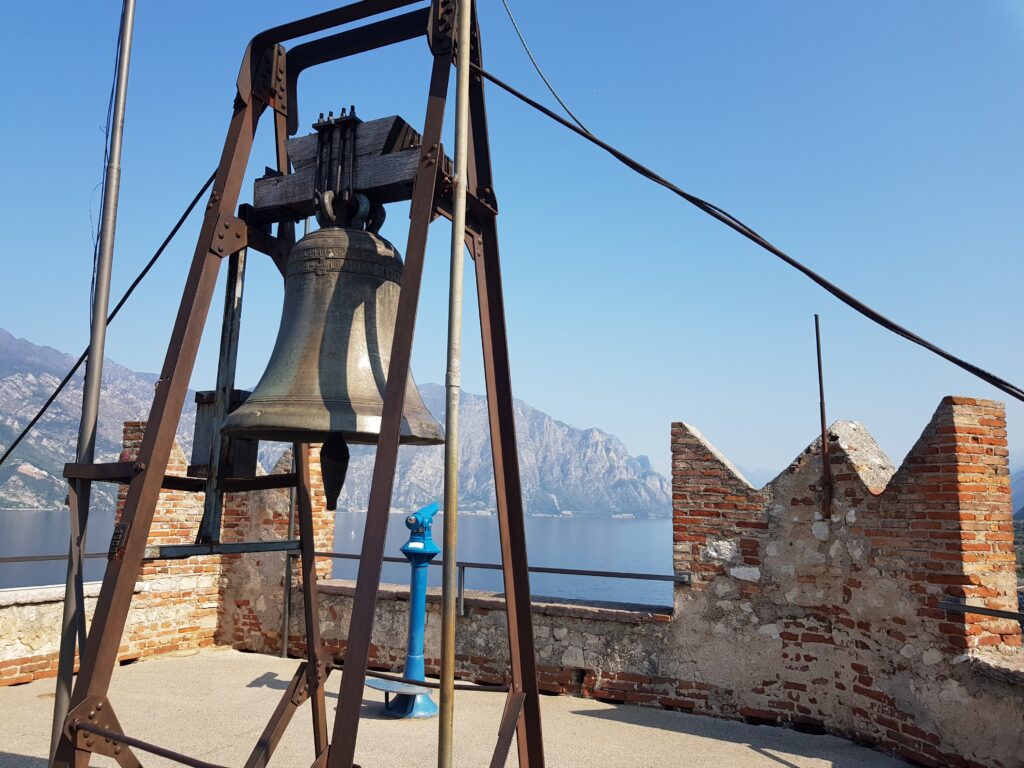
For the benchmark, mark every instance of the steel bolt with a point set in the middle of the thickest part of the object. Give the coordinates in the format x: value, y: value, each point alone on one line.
x: 99, y: 705
x: 92, y: 714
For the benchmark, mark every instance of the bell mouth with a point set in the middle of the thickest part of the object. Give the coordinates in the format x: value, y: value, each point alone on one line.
x: 319, y: 436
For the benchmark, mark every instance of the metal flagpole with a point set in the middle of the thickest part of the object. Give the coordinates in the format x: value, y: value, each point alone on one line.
x: 73, y: 622
x: 826, y: 465
x: 452, y: 389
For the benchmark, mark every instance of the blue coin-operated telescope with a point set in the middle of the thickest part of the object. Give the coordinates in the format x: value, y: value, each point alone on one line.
x: 404, y: 699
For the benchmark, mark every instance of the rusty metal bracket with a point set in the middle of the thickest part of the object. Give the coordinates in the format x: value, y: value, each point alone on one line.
x: 442, y: 26
x: 97, y: 711
x: 232, y: 236
x: 271, y: 82
x: 315, y: 677
x: 117, y: 541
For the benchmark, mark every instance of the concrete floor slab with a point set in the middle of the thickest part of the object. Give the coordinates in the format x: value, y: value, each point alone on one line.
x: 213, y: 705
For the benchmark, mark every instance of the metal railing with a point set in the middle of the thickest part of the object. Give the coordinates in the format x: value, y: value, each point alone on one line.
x: 980, y: 610
x: 45, y: 558
x: 462, y: 565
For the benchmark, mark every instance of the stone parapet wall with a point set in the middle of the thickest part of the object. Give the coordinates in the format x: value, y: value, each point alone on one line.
x: 175, y: 605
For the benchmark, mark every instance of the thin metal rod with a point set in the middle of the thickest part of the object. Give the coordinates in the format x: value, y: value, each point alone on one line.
x: 144, y: 746
x: 462, y: 590
x: 683, y: 577
x: 46, y: 558
x: 477, y: 688
x: 826, y: 465
x: 450, y: 593
x: 955, y: 607
x: 73, y: 619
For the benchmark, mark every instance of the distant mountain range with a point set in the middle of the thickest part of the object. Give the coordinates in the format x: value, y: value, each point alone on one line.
x: 565, y: 470
x: 32, y: 477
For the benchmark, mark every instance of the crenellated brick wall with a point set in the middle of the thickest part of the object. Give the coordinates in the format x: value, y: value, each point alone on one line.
x: 849, y: 599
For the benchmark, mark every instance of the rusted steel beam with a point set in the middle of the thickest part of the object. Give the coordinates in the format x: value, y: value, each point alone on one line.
x: 125, y: 472
x: 397, y: 29
x: 507, y: 728
x: 100, y: 652
x: 346, y: 723
x: 182, y: 551
x: 316, y: 669
x: 217, y: 461
x: 501, y: 417
x: 296, y: 693
x: 260, y: 483
x: 117, y: 471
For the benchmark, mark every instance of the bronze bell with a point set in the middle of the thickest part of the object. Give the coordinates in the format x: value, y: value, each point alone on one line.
x: 327, y: 373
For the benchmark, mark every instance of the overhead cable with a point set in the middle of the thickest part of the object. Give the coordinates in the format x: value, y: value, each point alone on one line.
x: 536, y: 66
x: 117, y: 308
x: 733, y: 223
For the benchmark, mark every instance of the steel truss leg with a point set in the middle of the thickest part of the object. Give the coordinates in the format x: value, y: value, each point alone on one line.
x: 316, y: 669
x: 311, y: 676
x: 508, y: 495
x: 346, y: 723
x: 501, y: 415
x: 100, y: 652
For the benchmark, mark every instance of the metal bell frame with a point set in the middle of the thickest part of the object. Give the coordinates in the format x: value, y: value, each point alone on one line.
x: 267, y: 79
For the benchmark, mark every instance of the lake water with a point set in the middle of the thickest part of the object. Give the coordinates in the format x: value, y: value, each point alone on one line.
x: 608, y: 544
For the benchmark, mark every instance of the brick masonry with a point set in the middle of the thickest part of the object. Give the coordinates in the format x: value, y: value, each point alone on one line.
x: 175, y: 606
x: 801, y: 613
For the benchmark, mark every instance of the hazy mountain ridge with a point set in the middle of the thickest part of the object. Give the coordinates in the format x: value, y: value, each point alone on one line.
x: 32, y: 477
x: 564, y: 469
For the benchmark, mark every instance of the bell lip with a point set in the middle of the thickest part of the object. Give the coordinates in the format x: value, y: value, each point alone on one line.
x: 319, y: 436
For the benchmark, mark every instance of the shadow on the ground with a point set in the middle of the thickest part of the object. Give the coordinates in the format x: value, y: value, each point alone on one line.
x: 10, y: 760
x: 772, y: 742
x: 371, y: 710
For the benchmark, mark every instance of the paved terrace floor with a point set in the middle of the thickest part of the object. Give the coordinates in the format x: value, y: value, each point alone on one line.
x: 213, y: 705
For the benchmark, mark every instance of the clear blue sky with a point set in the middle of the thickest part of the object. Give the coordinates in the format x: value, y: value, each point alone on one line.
x: 879, y: 142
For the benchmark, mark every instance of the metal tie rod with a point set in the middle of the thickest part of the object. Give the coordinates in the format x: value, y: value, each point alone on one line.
x: 153, y: 749
x: 181, y: 551
x: 955, y: 607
